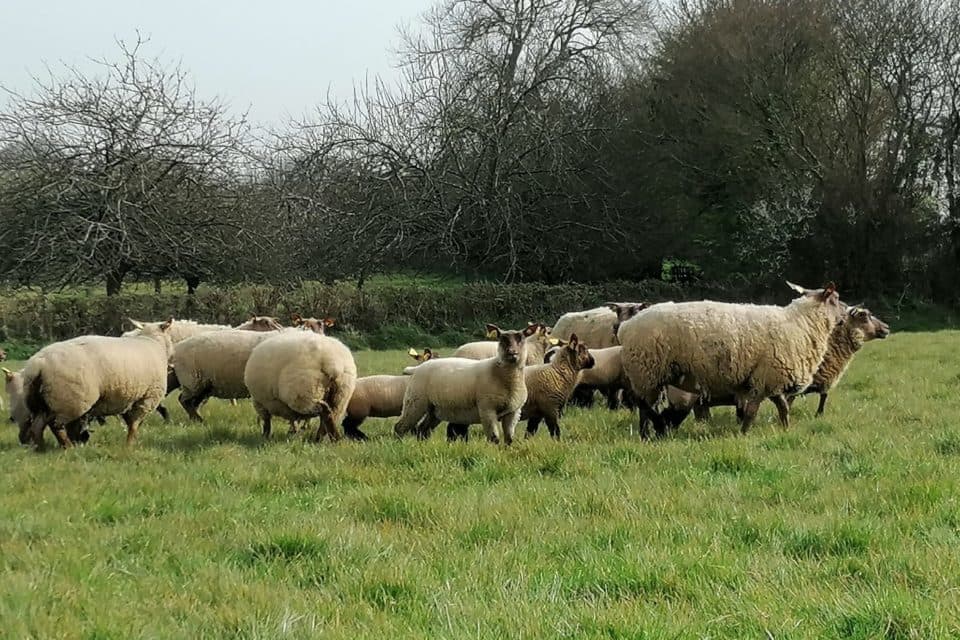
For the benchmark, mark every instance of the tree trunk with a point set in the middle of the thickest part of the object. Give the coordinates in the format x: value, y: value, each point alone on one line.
x: 115, y: 281
x: 192, y: 283
x: 156, y: 284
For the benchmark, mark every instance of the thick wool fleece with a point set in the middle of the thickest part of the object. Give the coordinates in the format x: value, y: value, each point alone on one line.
x: 212, y: 363
x: 845, y: 341
x: 300, y: 374
x: 101, y: 376
x: 751, y: 351
x: 594, y: 327
x: 377, y: 397
x: 180, y: 330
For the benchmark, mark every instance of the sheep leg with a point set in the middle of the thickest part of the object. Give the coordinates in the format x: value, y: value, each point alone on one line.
x: 532, y: 425
x: 823, y: 403
x: 701, y: 410
x: 191, y: 402
x: 627, y: 398
x: 674, y: 416
x: 748, y: 413
x: 351, y: 428
x: 414, y: 410
x: 647, y: 416
x: 60, y: 431
x: 613, y: 398
x: 457, y: 431
x: 327, y: 425
x: 264, y: 416
x: 162, y: 410
x: 132, y: 421
x: 582, y: 396
x: 509, y: 425
x: 553, y: 425
x: 490, y: 421
x: 783, y: 410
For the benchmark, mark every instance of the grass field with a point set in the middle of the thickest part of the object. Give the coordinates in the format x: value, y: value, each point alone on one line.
x: 846, y: 526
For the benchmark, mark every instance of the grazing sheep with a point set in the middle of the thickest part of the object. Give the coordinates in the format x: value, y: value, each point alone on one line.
x: 298, y: 375
x: 378, y: 397
x: 538, y: 340
x: 95, y: 376
x: 312, y: 324
x: 463, y: 391
x: 549, y: 386
x: 13, y: 383
x: 717, y: 348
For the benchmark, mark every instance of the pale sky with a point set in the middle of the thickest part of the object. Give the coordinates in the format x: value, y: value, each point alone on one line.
x: 278, y: 58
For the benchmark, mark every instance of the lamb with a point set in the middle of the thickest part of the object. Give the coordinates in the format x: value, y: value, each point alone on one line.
x: 65, y: 382
x: 378, y: 397
x: 749, y: 351
x: 549, y: 386
x: 298, y: 375
x: 538, y: 340
x: 260, y: 323
x: 463, y: 391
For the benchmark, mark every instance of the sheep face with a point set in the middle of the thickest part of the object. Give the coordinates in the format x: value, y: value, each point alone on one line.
x: 867, y: 325
x: 260, y: 323
x: 13, y: 383
x: 575, y: 353
x: 3, y: 355
x: 624, y: 311
x: 312, y: 324
x: 511, y: 346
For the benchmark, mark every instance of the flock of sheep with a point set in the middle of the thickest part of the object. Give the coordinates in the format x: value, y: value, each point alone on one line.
x: 664, y: 359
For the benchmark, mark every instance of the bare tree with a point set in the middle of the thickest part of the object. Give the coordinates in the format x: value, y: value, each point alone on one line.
x: 122, y: 172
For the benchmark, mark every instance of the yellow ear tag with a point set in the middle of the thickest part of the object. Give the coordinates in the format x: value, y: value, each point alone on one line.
x: 554, y: 341
x: 412, y: 352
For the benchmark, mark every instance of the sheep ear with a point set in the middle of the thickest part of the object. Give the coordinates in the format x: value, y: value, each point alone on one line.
x: 427, y: 353
x: 165, y: 326
x: 574, y: 341
x: 296, y: 319
x: 493, y: 331
x: 7, y: 373
x: 613, y: 306
x: 329, y: 322
x: 135, y: 324
x: 795, y: 287
x: 829, y: 290
x: 530, y: 330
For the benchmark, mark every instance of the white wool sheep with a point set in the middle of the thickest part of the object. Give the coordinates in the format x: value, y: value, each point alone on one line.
x: 537, y: 336
x: 717, y: 348
x: 179, y: 331
x: 378, y: 397
x: 596, y: 328
x: 464, y: 391
x: 212, y: 365
x: 95, y: 376
x: 298, y: 375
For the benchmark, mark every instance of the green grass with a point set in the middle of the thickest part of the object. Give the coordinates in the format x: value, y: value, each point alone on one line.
x: 847, y: 526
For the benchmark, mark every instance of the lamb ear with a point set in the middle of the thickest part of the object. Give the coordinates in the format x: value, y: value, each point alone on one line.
x: 493, y: 331
x: 6, y: 372
x: 829, y: 289
x: 613, y: 306
x: 574, y: 341
x: 296, y: 319
x: 135, y: 324
x: 427, y: 353
x: 795, y: 287
x: 329, y: 322
x: 530, y: 330
x: 165, y: 326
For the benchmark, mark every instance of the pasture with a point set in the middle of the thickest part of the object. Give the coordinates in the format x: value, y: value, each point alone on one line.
x: 844, y: 526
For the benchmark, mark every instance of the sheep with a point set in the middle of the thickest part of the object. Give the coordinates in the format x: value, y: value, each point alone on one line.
x: 549, y: 386
x: 378, y: 397
x: 3, y: 355
x: 463, y: 391
x: 179, y: 331
x: 597, y: 327
x: 297, y: 375
x: 750, y: 351
x: 858, y: 325
x: 538, y: 340
x: 212, y: 365
x: 95, y: 376
x: 312, y: 324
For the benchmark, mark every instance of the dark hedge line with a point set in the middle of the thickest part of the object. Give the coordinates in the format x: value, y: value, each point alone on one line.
x: 379, y: 316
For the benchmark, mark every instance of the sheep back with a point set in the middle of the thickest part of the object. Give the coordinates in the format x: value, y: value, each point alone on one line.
x: 378, y: 396
x: 215, y: 361
x: 594, y: 327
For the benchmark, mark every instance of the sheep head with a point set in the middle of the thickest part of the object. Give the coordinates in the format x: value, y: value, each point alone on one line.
x: 421, y: 357
x: 312, y: 324
x: 624, y: 311
x: 260, y: 323
x: 575, y: 353
x: 867, y: 325
x: 511, y: 345
x: 3, y: 355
